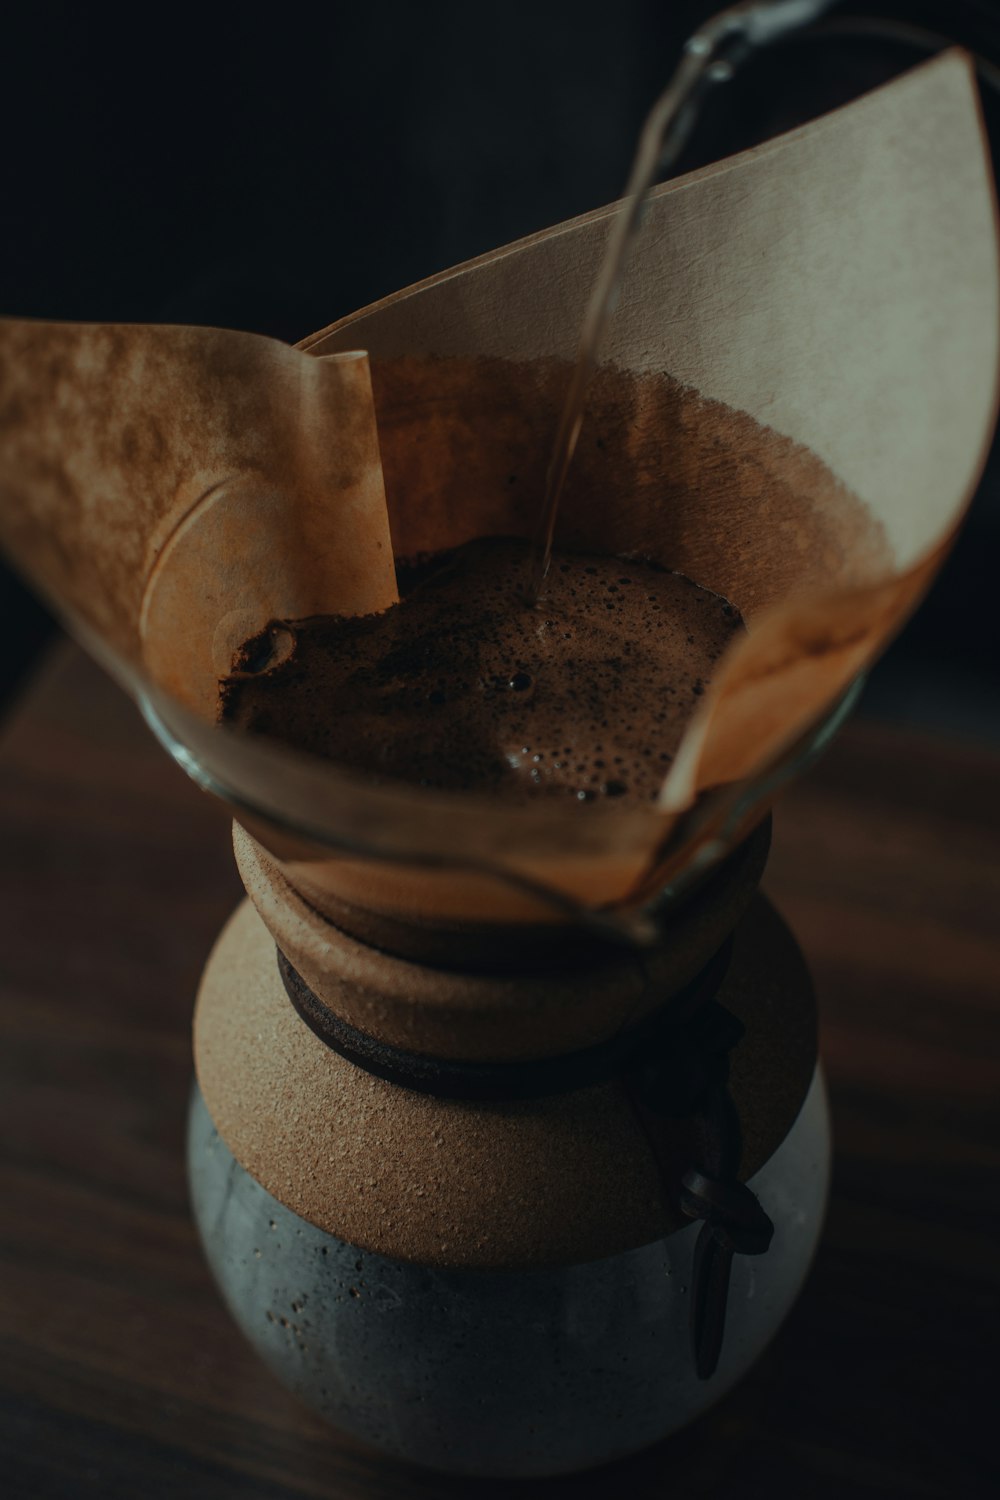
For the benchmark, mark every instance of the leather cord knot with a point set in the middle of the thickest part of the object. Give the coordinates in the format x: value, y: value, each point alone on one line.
x: 730, y: 1209
x: 733, y: 1223
x: 685, y: 1076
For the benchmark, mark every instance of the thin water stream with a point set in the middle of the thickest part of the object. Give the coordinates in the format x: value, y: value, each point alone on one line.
x: 710, y: 57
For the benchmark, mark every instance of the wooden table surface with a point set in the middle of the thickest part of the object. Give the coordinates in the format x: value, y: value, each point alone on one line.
x: 120, y: 1372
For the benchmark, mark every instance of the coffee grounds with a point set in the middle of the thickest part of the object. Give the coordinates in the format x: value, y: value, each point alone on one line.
x: 460, y: 686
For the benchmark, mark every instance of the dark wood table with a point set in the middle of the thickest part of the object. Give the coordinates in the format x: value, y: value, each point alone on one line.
x: 120, y: 1372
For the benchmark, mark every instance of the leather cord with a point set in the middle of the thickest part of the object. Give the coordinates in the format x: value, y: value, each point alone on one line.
x: 674, y: 1065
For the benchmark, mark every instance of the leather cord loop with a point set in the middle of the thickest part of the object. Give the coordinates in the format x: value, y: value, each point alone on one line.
x: 730, y: 1208
x: 645, y: 1048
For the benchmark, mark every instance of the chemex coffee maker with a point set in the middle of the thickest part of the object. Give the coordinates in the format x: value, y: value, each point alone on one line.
x: 509, y: 1149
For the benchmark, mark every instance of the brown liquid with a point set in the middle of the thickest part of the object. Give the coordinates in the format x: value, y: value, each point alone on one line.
x: 457, y: 688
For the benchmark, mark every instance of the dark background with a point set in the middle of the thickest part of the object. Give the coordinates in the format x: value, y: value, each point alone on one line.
x: 272, y: 168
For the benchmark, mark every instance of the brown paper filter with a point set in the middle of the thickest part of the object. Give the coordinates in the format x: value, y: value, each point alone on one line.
x: 797, y: 393
x: 171, y: 490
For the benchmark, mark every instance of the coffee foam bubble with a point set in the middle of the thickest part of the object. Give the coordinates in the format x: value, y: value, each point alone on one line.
x: 462, y: 686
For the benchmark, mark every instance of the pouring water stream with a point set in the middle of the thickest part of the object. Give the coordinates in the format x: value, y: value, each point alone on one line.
x: 711, y: 56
